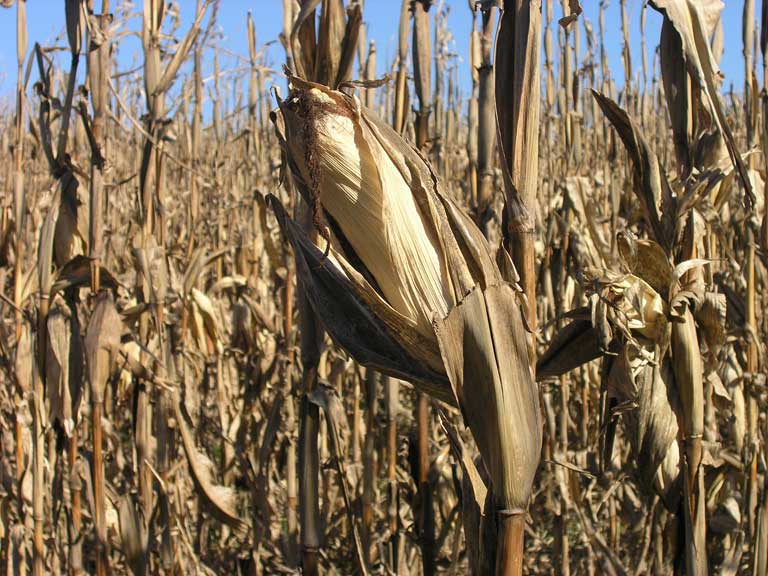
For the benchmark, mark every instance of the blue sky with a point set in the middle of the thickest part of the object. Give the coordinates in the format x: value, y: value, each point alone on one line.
x: 46, y: 23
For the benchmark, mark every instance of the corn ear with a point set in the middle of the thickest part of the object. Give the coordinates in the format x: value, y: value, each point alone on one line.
x: 399, y: 272
x: 102, y: 341
x: 364, y: 326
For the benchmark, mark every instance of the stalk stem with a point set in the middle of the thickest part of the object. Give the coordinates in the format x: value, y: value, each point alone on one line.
x: 38, y: 513
x: 509, y: 547
x: 75, y: 548
x: 98, y: 491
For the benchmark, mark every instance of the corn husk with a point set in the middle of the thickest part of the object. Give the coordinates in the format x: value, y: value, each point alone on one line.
x: 369, y: 330
x: 638, y: 379
x: 688, y: 369
x: 403, y: 250
x: 102, y: 342
x: 483, y: 343
x: 372, y: 222
x: 64, y: 362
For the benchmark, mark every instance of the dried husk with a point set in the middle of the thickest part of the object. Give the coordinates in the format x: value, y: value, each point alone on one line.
x: 326, y: 54
x: 72, y: 221
x: 332, y: 24
x: 639, y: 379
x: 64, y: 366
x: 381, y: 217
x: 102, y: 343
x: 401, y: 249
x: 369, y: 330
x: 710, y: 319
x: 640, y: 376
x: 688, y: 370
x: 24, y: 361
x: 151, y: 264
x: 636, y: 308
x: 647, y: 260
x: 76, y: 273
x: 209, y: 330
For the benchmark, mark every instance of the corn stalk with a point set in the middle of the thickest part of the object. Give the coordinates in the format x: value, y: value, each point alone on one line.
x: 518, y: 50
x: 486, y: 136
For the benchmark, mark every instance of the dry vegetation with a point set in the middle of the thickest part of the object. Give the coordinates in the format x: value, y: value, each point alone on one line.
x: 211, y: 295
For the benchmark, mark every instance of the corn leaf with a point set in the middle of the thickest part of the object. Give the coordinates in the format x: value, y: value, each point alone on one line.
x: 483, y: 343
x: 688, y: 19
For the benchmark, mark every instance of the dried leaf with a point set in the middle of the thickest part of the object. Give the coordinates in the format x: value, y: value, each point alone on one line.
x: 204, y: 305
x: 650, y: 181
x: 687, y: 16
x: 574, y: 12
x: 483, y: 343
x: 220, y: 499
x: 577, y: 343
x: 473, y: 493
x: 77, y: 272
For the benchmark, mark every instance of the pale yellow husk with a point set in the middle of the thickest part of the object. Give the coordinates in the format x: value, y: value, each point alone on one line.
x: 387, y: 231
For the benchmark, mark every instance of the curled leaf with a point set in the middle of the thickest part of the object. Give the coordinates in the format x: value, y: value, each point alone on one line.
x: 220, y: 499
x: 576, y: 343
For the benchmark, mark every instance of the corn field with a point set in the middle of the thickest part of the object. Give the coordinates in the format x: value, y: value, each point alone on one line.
x: 300, y: 317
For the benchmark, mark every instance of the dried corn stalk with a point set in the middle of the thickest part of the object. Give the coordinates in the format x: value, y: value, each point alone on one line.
x: 395, y: 257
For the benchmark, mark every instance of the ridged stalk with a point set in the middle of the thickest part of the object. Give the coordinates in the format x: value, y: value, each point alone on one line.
x: 517, y: 91
x: 486, y: 136
x: 424, y: 513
